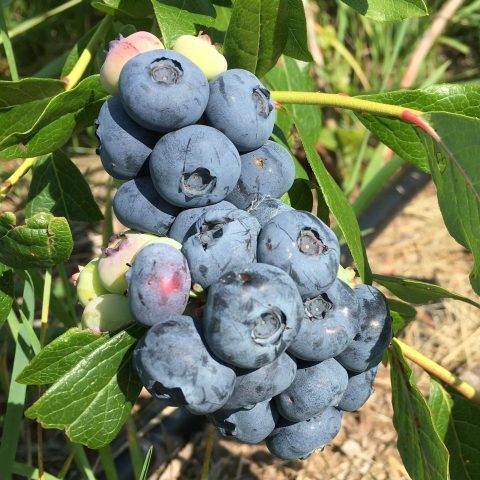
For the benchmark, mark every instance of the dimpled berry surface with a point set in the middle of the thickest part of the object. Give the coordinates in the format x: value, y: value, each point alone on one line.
x: 184, y: 224
x: 124, y: 145
x: 266, y: 208
x: 158, y: 284
x: 303, y: 246
x: 316, y: 387
x: 375, y: 331
x: 247, y: 425
x: 223, y: 240
x: 291, y: 441
x: 138, y: 205
x: 268, y: 171
x: 163, y: 90
x: 241, y: 107
x: 175, y: 366
x: 254, y: 386
x: 194, y: 166
x: 329, y: 324
x: 252, y: 315
x: 359, y: 390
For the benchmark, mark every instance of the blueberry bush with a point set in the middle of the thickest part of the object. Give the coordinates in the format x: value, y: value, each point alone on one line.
x: 227, y: 290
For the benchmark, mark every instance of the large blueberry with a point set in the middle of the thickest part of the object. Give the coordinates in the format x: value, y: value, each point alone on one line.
x: 138, y: 205
x: 163, y: 90
x: 222, y: 240
x: 252, y: 315
x: 329, y: 324
x: 315, y: 387
x: 247, y: 425
x: 268, y: 171
x: 184, y: 225
x: 359, y: 389
x: 175, y: 366
x: 241, y: 107
x: 124, y: 145
x: 254, y: 386
x: 158, y: 284
x: 194, y: 166
x: 375, y: 331
x: 291, y: 441
x: 303, y: 246
x: 266, y: 208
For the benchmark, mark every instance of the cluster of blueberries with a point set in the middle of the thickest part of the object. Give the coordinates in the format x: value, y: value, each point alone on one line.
x: 248, y: 322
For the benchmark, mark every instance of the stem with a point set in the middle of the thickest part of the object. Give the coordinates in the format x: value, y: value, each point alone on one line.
x: 436, y: 370
x: 66, y: 465
x: 108, y: 463
x: 208, y: 453
x: 134, y: 447
x: 47, y: 288
x: 12, y: 64
x: 86, y: 56
x: 68, y: 292
x: 18, y: 174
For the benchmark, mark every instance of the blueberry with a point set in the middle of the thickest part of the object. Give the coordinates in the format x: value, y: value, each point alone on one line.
x: 249, y: 426
x: 369, y: 345
x: 158, y: 284
x: 329, y: 324
x: 359, y: 390
x: 89, y: 285
x: 291, y: 441
x: 107, y: 313
x: 124, y: 146
x: 194, y: 166
x: 303, y: 246
x: 268, y: 171
x: 175, y: 366
x: 254, y: 386
x: 241, y: 107
x: 163, y: 90
x: 316, y: 387
x: 223, y: 240
x: 266, y: 208
x: 138, y: 205
x: 184, y: 225
x: 252, y: 315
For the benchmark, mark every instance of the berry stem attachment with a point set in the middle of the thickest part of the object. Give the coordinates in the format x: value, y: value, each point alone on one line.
x: 86, y: 56
x: 436, y: 370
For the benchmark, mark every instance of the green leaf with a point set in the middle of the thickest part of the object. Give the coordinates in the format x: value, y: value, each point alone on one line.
x: 457, y: 420
x: 455, y: 170
x: 300, y: 195
x: 402, y: 137
x: 42, y: 126
x: 146, y: 464
x: 424, y: 455
x: 6, y: 294
x: 59, y: 187
x: 93, y: 397
x: 402, y: 314
x: 28, y: 90
x: 180, y: 17
x: 297, y: 46
x: 307, y: 120
x: 44, y: 241
x: 131, y: 8
x: 417, y: 292
x: 257, y: 34
x: 389, y: 10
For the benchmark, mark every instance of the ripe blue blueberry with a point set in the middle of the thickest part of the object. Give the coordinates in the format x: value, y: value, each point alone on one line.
x: 175, y: 366
x: 223, y: 240
x: 194, y: 166
x: 254, y: 386
x: 303, y: 246
x: 249, y: 426
x: 163, y: 90
x: 241, y: 107
x: 315, y: 387
x: 359, y: 390
x: 329, y: 324
x: 268, y: 171
x: 124, y: 146
x: 138, y: 205
x: 291, y: 441
x: 158, y: 284
x: 252, y: 315
x: 375, y: 331
x: 267, y: 208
